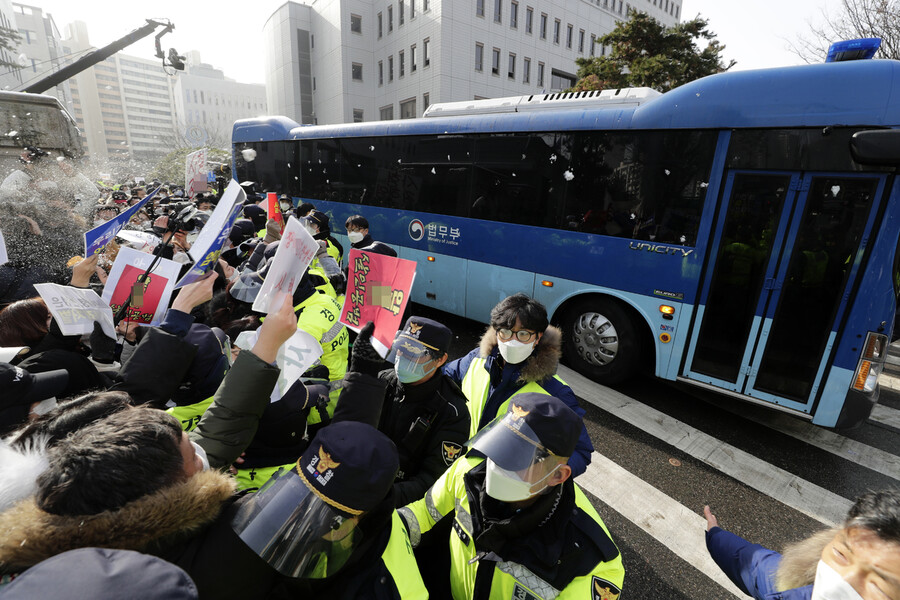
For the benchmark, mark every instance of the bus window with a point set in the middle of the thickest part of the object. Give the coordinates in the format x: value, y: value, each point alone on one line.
x: 826, y: 246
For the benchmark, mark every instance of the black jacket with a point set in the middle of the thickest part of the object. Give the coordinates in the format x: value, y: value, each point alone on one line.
x: 367, y: 244
x: 429, y: 448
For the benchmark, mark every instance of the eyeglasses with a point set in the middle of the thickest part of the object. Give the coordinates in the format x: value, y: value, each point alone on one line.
x: 523, y: 335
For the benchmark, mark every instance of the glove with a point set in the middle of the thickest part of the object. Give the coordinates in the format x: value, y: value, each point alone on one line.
x: 364, y: 358
x: 103, y: 348
x: 273, y: 231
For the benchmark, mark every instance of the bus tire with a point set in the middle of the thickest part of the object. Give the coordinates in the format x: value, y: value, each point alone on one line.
x: 601, y: 341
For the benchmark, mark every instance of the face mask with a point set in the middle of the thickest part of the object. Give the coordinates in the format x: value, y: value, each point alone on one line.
x: 286, y: 206
x: 830, y: 585
x: 507, y: 486
x: 410, y: 372
x: 202, y: 454
x: 515, y: 351
x: 355, y: 237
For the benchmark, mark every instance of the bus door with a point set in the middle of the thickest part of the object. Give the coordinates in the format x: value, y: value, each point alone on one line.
x: 786, y: 256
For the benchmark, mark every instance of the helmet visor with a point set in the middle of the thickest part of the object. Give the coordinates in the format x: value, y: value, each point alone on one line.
x: 509, y: 442
x: 294, y: 530
x: 246, y: 287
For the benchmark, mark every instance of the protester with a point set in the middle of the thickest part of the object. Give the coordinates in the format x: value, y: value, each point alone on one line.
x: 518, y: 354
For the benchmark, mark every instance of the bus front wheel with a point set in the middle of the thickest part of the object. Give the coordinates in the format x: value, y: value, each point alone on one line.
x: 600, y: 341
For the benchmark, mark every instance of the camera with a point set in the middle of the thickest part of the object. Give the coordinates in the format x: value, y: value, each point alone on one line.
x: 182, y: 216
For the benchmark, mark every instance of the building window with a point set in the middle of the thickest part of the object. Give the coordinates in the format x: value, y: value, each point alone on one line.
x: 312, y: 41
x: 390, y: 18
x: 561, y: 81
x: 408, y: 109
x: 380, y: 26
x: 357, y: 115
x: 543, y: 26
x: 569, y: 36
x: 495, y: 62
x: 529, y: 19
x: 412, y: 9
x: 402, y: 63
x: 314, y: 84
x: 581, y: 41
x: 479, y: 8
x: 556, y: 27
x: 512, y: 66
x: 380, y: 72
x: 593, y: 41
x: 514, y: 15
x: 426, y: 101
x: 498, y: 10
x: 412, y: 59
x: 526, y: 78
x: 356, y: 71
x: 390, y: 68
x: 356, y: 23
x: 540, y: 81
x: 402, y: 14
x: 426, y: 58
x: 425, y: 6
x: 479, y: 57
x: 386, y: 112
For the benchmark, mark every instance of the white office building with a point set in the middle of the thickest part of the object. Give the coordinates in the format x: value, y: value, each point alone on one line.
x: 40, y: 50
x: 334, y: 61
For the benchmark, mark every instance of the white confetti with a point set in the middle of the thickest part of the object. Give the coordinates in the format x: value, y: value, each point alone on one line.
x: 569, y: 175
x: 514, y: 174
x: 683, y: 239
x: 371, y: 148
x: 552, y: 158
x: 523, y: 157
x: 433, y: 172
x: 13, y: 133
x: 399, y: 161
x: 703, y: 184
x: 289, y: 165
x: 668, y: 172
x: 448, y: 157
x: 249, y: 154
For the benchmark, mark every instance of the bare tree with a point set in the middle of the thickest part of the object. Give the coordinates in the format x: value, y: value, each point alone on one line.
x: 856, y: 19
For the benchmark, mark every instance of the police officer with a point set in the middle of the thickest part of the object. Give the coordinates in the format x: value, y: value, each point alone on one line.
x: 424, y: 412
x: 317, y: 223
x: 521, y: 527
x: 329, y: 525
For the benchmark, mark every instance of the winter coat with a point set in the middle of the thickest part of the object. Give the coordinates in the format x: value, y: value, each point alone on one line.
x: 368, y: 244
x: 423, y: 456
x: 506, y: 380
x: 765, y: 574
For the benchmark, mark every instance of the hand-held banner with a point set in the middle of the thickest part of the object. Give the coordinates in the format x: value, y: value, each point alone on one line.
x: 295, y: 251
x: 273, y: 210
x: 156, y: 291
x: 378, y: 289
x: 295, y: 356
x: 195, y: 173
x: 96, y: 239
x: 76, y: 309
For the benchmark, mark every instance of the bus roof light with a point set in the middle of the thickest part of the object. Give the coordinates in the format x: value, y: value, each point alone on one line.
x: 861, y: 49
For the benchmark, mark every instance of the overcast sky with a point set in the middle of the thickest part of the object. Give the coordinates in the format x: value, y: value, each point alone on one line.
x: 227, y: 32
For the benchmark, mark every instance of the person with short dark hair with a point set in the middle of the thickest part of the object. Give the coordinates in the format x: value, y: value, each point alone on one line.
x: 859, y: 560
x: 304, y: 209
x: 358, y: 233
x: 519, y: 353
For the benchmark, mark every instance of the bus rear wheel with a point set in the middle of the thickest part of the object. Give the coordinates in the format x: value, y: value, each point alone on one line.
x: 600, y: 340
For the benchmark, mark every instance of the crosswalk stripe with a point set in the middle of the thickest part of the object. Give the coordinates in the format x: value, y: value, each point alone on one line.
x: 885, y: 415
x: 801, y: 495
x: 672, y: 524
x: 862, y: 454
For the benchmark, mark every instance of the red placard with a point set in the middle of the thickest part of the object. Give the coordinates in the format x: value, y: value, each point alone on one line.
x: 378, y: 289
x: 273, y: 211
x: 153, y: 290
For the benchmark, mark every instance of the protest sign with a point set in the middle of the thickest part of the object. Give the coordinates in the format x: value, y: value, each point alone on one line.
x: 97, y: 238
x: 195, y: 173
x: 294, y: 357
x: 295, y: 251
x: 206, y: 250
x: 4, y: 257
x: 76, y: 309
x: 148, y: 306
x: 273, y: 211
x: 378, y: 288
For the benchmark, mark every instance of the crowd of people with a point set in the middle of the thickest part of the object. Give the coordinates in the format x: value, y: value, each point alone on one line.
x: 161, y: 465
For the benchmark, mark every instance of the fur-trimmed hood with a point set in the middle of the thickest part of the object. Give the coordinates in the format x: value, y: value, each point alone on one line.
x: 542, y: 363
x: 799, y: 561
x: 31, y: 535
x: 19, y: 469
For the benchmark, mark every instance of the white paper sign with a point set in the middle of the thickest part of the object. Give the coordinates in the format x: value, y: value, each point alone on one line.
x: 294, y: 357
x: 4, y: 257
x: 195, y: 173
x: 76, y: 309
x: 157, y: 290
x: 206, y: 250
x: 295, y: 251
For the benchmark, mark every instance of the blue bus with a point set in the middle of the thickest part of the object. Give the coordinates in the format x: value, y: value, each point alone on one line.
x: 739, y: 233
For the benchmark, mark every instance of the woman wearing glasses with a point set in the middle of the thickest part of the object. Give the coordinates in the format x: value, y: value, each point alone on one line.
x: 518, y: 354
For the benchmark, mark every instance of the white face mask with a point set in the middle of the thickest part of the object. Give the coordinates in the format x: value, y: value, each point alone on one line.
x: 355, y: 237
x: 312, y: 229
x: 202, y: 454
x: 830, y: 585
x: 286, y: 206
x: 515, y: 351
x: 507, y: 486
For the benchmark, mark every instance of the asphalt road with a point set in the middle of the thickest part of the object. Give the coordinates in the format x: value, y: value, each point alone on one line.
x: 663, y: 450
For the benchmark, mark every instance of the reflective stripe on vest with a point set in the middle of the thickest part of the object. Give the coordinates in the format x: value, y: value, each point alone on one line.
x: 190, y: 415
x: 477, y: 383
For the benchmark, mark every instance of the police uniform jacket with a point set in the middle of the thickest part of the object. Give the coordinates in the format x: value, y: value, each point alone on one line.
x: 489, y: 383
x: 428, y: 423
x: 557, y: 547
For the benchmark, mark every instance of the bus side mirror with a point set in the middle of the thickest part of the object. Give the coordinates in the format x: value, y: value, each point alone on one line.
x: 876, y: 147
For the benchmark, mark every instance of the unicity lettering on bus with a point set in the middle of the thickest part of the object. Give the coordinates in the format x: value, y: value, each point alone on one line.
x: 660, y: 249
